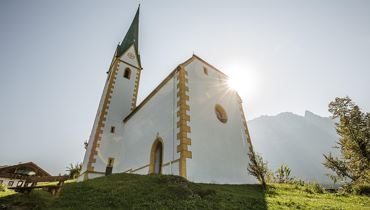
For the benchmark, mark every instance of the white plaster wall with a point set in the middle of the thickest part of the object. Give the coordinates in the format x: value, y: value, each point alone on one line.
x: 156, y: 117
x: 175, y: 167
x: 142, y: 171
x: 119, y: 108
x: 219, y: 151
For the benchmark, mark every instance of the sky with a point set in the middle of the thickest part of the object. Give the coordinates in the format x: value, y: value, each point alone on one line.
x: 291, y: 55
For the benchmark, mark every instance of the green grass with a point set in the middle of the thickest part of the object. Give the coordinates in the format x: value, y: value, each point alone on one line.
x: 128, y: 191
x: 288, y: 196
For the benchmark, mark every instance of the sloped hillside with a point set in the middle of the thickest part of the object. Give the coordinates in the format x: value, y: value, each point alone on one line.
x: 129, y: 191
x: 298, y: 141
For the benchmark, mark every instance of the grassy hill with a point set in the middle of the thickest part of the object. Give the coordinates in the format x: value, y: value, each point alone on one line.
x: 128, y: 191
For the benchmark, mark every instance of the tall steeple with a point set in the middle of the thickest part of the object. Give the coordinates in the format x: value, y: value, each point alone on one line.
x: 118, y: 100
x: 131, y: 38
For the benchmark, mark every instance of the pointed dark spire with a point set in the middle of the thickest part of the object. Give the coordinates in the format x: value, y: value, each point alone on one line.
x: 132, y: 37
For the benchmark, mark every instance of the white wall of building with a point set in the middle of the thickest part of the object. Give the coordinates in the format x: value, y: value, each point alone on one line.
x: 219, y: 150
x: 154, y: 118
x: 119, y: 108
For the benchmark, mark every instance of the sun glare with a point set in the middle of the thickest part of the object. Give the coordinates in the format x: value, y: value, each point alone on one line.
x: 243, y: 80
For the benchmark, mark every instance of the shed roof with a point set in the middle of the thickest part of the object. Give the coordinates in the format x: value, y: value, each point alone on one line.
x: 23, y: 168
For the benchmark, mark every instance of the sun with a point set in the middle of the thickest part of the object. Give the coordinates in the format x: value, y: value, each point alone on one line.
x: 236, y: 83
x: 243, y: 80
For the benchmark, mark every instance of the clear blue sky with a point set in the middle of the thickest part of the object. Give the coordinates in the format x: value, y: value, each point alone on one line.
x: 54, y: 55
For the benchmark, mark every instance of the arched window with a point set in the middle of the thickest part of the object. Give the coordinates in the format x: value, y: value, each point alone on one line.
x: 156, y: 157
x: 221, y: 113
x: 127, y: 73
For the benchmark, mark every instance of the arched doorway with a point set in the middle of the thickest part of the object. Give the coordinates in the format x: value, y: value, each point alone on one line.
x: 156, y: 157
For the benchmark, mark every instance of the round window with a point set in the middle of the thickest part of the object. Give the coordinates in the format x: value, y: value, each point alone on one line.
x: 221, y: 113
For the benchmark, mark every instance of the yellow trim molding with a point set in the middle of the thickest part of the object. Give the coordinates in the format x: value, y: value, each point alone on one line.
x: 183, y: 119
x: 245, y: 127
x: 136, y: 90
x: 102, y: 116
x: 129, y: 64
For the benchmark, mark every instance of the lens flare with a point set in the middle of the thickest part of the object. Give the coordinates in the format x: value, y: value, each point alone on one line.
x: 243, y: 80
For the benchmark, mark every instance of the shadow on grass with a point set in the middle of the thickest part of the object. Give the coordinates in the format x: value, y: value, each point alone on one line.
x: 129, y: 191
x: 37, y: 199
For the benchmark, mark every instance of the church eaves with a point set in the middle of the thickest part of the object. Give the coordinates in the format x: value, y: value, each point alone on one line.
x: 131, y: 38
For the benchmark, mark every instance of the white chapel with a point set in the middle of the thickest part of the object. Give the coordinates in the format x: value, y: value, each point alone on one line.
x: 191, y: 125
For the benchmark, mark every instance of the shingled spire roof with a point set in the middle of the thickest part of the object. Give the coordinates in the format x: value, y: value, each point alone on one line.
x: 131, y: 38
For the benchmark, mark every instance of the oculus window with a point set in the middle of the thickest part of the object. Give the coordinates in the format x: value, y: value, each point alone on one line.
x: 220, y: 113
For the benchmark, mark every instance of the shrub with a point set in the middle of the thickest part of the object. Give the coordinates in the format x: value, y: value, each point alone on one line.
x: 270, y: 177
x: 3, y: 188
x: 257, y: 167
x: 361, y: 189
x: 283, y: 174
x: 74, y: 170
x: 298, y: 181
x: 345, y: 189
x: 314, y: 188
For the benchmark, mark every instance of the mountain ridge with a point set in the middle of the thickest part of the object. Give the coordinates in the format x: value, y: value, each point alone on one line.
x: 298, y: 141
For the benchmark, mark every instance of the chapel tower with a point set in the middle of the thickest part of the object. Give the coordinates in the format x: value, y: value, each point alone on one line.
x: 117, y: 101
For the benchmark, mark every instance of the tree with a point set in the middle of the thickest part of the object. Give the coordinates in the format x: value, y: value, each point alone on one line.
x: 353, y: 128
x: 283, y: 174
x: 74, y: 170
x: 270, y: 177
x: 257, y: 168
